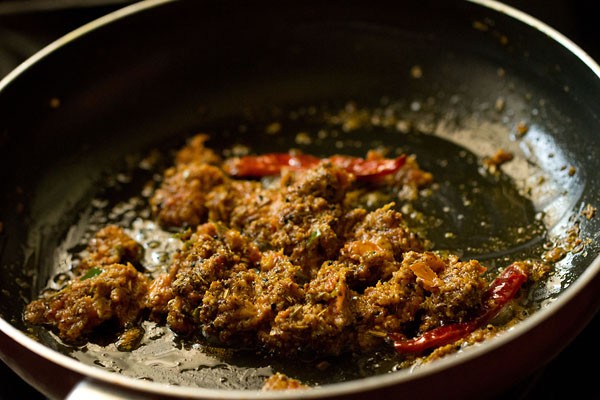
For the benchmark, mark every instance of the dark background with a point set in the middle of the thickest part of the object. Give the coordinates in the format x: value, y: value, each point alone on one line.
x: 28, y: 25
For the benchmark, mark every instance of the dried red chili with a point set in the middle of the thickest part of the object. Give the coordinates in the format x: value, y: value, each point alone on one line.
x: 501, y: 291
x: 273, y: 163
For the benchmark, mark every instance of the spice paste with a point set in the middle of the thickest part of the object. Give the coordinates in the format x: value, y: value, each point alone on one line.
x: 294, y: 263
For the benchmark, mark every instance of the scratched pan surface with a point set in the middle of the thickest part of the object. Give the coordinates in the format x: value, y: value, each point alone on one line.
x: 448, y: 82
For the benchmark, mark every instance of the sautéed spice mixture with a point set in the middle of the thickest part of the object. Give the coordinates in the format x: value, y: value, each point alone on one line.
x: 287, y: 254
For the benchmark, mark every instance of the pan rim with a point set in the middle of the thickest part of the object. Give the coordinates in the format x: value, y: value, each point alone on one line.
x: 76, y: 34
x: 361, y: 385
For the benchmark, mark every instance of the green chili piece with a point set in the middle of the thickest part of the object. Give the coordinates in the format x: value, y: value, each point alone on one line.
x: 314, y: 235
x: 92, y: 272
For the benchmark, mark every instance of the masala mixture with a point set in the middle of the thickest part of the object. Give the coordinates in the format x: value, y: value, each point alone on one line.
x: 288, y: 254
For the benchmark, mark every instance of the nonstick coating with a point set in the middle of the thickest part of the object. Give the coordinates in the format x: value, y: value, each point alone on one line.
x: 70, y: 118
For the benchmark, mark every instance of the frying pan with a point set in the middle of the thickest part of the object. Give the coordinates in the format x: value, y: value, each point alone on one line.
x: 461, y: 75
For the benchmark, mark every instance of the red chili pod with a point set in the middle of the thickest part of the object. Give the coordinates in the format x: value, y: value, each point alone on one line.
x: 272, y: 164
x: 503, y: 289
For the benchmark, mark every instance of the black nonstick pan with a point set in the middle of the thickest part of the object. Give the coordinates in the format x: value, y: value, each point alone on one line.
x: 451, y: 82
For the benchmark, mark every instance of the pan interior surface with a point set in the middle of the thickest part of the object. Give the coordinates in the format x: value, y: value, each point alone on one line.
x: 452, y: 87
x: 455, y: 215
